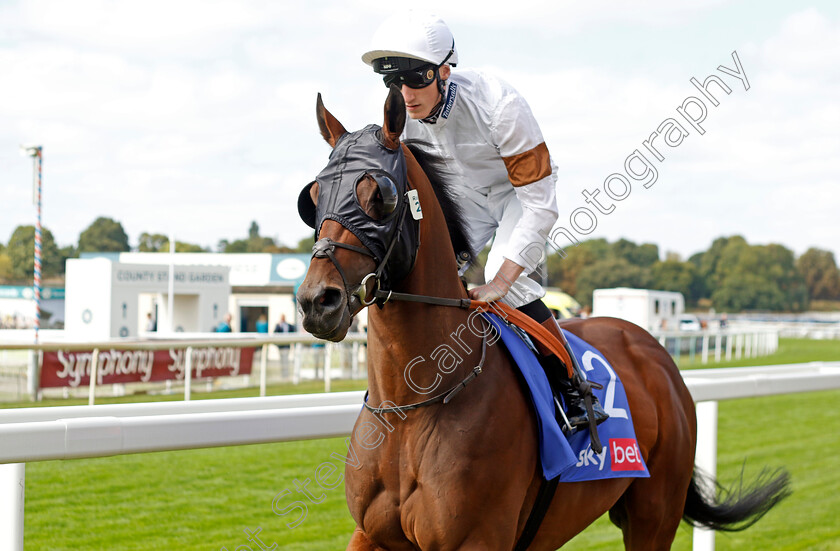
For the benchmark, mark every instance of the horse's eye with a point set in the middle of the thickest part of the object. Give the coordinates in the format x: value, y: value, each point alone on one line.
x: 377, y: 195
x: 388, y: 192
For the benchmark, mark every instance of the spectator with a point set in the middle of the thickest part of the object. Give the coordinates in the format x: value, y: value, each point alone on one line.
x: 151, y: 323
x: 262, y: 324
x: 225, y: 326
x: 284, y: 326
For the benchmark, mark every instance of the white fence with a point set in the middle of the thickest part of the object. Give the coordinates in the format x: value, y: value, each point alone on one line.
x: 721, y: 344
x: 40, y: 434
x: 802, y: 329
x: 746, y: 342
x: 352, y: 343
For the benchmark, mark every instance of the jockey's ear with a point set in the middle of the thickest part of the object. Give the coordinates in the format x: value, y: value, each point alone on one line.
x: 394, y: 118
x: 331, y: 129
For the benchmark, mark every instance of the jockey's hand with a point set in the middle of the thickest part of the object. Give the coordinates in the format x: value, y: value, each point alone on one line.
x: 500, y: 285
x: 488, y: 293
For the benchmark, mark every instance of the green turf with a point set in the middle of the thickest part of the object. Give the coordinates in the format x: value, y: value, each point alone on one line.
x: 756, y: 433
x: 199, y: 499
x: 204, y: 499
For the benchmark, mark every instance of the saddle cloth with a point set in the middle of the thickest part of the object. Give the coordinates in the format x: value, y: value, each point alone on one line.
x: 572, y: 459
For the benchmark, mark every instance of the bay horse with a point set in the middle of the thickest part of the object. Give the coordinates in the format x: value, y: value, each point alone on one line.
x: 466, y: 474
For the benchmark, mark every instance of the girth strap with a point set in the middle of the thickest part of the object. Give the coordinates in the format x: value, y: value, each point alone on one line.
x: 538, y: 511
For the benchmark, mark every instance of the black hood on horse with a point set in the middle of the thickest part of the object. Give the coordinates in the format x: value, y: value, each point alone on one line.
x: 356, y: 155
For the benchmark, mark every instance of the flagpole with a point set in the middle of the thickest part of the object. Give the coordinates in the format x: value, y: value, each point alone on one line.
x: 37, y: 154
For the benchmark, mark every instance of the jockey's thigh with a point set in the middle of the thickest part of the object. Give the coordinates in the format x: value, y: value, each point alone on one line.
x: 506, y: 209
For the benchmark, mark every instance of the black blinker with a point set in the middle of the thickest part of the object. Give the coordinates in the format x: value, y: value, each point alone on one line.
x: 306, y: 208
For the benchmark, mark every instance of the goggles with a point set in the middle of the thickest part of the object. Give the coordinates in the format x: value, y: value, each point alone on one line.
x: 414, y: 73
x: 418, y: 78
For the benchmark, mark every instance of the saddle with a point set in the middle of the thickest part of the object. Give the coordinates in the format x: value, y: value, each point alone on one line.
x: 561, y: 352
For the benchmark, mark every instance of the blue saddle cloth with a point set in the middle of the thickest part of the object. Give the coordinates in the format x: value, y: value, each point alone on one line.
x: 572, y: 459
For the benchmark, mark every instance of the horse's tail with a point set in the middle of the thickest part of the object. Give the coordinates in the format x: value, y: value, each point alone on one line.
x: 710, y: 505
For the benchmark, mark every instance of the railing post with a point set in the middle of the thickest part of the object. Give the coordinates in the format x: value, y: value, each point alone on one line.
x: 94, y: 368
x: 12, y: 490
x: 718, y: 342
x: 188, y: 375
x: 328, y: 347
x: 677, y: 350
x: 296, y: 363
x: 263, y: 365
x: 704, y: 358
x: 705, y: 457
x: 354, y: 362
x: 729, y: 344
x: 32, y: 376
x: 692, y: 345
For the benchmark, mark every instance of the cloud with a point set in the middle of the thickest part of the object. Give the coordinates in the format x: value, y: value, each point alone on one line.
x: 199, y: 116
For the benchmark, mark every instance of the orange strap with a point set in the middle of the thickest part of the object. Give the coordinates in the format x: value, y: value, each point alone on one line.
x: 529, y: 325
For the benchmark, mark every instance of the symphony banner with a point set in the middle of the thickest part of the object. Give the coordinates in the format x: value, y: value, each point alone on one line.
x: 72, y: 369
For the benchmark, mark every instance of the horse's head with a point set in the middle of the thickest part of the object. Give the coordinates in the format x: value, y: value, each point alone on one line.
x: 365, y: 238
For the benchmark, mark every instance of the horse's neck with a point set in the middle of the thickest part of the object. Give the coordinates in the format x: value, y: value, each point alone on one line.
x: 402, y: 337
x: 404, y: 334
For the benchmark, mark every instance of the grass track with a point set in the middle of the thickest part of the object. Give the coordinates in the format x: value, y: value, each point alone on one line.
x: 204, y: 499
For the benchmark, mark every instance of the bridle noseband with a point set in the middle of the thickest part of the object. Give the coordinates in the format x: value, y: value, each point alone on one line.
x: 325, y: 248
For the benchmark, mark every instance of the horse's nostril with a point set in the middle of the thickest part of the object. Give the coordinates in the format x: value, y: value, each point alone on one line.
x: 330, y: 299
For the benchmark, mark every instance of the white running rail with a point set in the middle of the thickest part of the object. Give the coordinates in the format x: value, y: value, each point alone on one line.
x: 40, y: 434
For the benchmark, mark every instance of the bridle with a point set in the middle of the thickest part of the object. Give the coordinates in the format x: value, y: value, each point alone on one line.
x: 325, y: 248
x: 358, y: 296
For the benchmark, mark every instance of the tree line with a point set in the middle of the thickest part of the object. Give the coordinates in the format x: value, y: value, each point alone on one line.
x: 107, y: 235
x: 730, y: 275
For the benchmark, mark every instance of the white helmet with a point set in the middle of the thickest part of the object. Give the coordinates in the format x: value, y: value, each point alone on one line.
x: 413, y: 35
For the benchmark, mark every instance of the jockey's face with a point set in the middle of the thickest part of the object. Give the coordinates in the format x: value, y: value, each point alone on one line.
x: 419, y: 102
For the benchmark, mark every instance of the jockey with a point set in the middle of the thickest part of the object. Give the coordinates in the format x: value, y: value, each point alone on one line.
x: 503, y: 176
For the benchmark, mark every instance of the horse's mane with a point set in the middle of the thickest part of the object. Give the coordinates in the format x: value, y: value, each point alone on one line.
x: 456, y: 223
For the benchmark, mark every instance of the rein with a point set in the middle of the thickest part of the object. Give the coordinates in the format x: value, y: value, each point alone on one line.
x: 324, y: 248
x: 509, y: 315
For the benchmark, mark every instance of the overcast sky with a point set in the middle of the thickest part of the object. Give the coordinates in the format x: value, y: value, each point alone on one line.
x: 197, y: 117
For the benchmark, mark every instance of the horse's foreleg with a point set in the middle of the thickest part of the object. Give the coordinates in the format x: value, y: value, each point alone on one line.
x: 360, y: 542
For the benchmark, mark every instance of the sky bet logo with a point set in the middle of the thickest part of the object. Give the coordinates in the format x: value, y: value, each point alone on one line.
x: 625, y: 455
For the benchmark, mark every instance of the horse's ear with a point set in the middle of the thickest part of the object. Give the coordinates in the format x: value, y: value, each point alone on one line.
x: 394, y: 118
x: 331, y: 129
